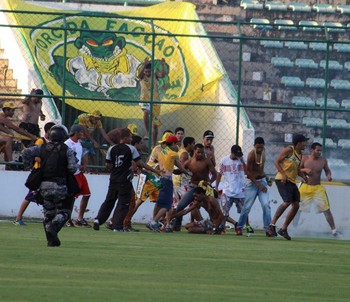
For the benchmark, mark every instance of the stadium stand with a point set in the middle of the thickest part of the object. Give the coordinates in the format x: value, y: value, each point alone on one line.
x: 345, y: 103
x: 299, y: 7
x: 320, y: 46
x: 315, y: 82
x: 324, y: 8
x: 251, y: 4
x: 306, y: 63
x: 272, y: 44
x: 261, y: 23
x: 310, y: 25
x: 338, y: 123
x: 292, y: 81
x: 342, y: 47
x: 343, y: 9
x: 331, y: 103
x: 296, y: 45
x: 276, y: 6
x: 332, y: 64
x: 337, y: 163
x: 314, y: 122
x: 285, y: 24
x: 282, y: 62
x: 340, y: 84
x: 334, y: 26
x: 344, y: 143
x: 303, y: 101
x: 347, y: 65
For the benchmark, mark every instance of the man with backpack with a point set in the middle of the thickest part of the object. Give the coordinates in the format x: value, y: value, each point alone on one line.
x: 56, y: 161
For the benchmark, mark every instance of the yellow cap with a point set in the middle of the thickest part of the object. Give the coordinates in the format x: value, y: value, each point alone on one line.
x: 96, y: 113
x: 133, y: 129
x: 10, y: 105
x: 164, y: 137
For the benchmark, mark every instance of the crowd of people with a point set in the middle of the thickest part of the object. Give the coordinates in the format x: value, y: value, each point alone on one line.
x: 181, y: 176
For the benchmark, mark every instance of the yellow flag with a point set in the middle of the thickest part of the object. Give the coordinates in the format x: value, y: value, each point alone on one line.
x: 96, y: 57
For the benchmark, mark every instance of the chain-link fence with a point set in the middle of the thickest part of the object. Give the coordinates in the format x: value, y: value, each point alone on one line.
x: 247, y: 80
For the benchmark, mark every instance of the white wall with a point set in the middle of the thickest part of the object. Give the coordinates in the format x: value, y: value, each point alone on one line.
x: 13, y: 191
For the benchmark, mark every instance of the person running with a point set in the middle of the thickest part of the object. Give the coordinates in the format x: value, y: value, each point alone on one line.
x: 232, y: 169
x: 167, y: 159
x: 32, y: 194
x: 119, y: 159
x: 312, y: 190
x: 57, y: 161
x: 202, y: 169
x: 75, y: 134
x: 257, y: 185
x: 288, y: 166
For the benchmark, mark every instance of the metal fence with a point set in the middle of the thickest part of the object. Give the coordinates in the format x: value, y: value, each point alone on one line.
x: 272, y: 80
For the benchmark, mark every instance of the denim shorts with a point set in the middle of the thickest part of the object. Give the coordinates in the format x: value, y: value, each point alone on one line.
x: 165, y: 198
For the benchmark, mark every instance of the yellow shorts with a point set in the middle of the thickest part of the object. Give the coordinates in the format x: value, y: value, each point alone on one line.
x: 149, y: 191
x: 155, y: 112
x: 313, y: 195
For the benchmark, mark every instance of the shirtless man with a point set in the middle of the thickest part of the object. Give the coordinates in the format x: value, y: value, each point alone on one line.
x: 209, y: 149
x: 167, y: 158
x: 31, y: 113
x: 6, y: 127
x: 202, y: 169
x: 215, y: 223
x: 312, y: 190
x: 257, y: 185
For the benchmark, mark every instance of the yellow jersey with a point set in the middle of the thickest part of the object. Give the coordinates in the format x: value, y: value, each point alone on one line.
x: 290, y: 166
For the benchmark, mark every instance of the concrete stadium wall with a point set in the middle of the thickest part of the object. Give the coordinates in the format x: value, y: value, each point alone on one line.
x: 13, y: 191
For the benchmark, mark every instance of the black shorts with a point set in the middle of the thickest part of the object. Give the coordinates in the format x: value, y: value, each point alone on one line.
x: 288, y: 191
x: 31, y: 128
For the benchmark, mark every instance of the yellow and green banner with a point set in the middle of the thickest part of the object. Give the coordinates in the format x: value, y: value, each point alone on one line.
x: 95, y: 57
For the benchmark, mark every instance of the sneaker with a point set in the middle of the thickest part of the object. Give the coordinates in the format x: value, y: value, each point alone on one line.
x: 272, y: 230
x: 19, y: 222
x: 167, y: 229
x: 337, y: 234
x: 109, y: 225
x: 130, y: 229
x: 69, y: 223
x: 176, y: 228
x: 96, y: 225
x: 82, y: 223
x: 153, y: 227
x: 118, y: 230
x: 238, y: 231
x: 250, y: 230
x: 268, y: 234
x: 284, y: 234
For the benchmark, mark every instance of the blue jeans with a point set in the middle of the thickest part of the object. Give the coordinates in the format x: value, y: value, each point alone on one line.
x: 251, y: 193
x: 183, y: 203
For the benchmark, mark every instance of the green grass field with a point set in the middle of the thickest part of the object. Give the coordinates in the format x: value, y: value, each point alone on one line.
x: 145, y: 266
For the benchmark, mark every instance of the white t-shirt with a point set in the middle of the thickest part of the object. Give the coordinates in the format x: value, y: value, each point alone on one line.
x: 78, y: 150
x: 233, y: 181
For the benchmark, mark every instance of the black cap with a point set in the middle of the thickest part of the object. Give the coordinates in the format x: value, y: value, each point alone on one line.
x: 299, y: 138
x: 39, y: 92
x: 208, y: 134
x: 237, y: 150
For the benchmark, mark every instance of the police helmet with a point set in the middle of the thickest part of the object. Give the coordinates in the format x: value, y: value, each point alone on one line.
x: 58, y: 133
